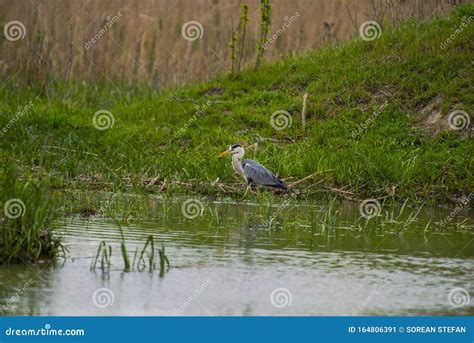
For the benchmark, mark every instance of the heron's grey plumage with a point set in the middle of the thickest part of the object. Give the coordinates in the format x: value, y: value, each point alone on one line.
x: 259, y: 175
x: 253, y: 172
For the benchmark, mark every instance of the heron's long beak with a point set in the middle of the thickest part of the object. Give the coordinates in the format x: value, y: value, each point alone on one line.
x: 224, y: 153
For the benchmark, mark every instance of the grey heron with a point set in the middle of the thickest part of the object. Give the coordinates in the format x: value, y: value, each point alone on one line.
x: 253, y: 172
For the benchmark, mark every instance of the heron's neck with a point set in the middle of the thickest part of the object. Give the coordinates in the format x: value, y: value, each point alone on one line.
x: 237, y: 164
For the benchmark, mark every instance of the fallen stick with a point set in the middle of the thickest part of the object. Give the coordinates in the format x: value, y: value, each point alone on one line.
x: 150, y: 182
x: 221, y: 188
x: 314, y: 184
x: 348, y: 197
x: 303, y: 114
x: 291, y: 185
x: 337, y: 190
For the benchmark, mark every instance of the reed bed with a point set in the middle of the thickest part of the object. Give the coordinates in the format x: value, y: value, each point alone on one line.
x: 140, y: 42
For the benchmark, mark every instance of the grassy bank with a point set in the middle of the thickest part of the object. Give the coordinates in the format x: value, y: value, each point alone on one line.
x: 376, y: 123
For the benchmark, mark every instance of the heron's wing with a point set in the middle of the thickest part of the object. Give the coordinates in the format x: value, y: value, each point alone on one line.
x: 258, y: 174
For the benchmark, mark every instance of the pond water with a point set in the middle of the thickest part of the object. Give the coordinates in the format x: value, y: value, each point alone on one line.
x: 230, y: 258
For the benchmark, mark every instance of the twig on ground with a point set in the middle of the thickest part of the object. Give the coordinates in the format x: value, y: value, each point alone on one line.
x: 291, y: 185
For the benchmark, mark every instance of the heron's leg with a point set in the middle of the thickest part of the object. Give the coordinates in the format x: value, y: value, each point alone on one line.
x: 253, y: 187
x: 246, y: 192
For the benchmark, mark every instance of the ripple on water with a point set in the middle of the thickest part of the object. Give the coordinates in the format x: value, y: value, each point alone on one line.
x: 229, y: 265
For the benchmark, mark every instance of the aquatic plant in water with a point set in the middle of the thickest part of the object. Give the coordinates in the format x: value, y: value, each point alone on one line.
x: 27, y: 219
x: 147, y: 258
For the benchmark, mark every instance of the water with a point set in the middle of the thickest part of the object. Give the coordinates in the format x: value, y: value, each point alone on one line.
x: 313, y: 259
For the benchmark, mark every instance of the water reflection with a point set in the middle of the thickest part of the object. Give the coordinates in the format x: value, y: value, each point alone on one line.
x: 230, y: 261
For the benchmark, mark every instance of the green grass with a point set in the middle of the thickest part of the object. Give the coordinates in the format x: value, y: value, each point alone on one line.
x: 394, y: 157
x: 147, y: 260
x: 27, y: 220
